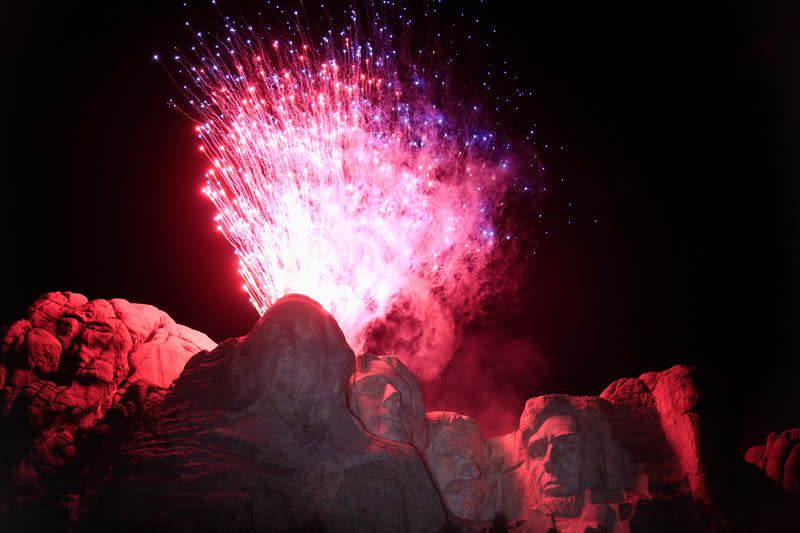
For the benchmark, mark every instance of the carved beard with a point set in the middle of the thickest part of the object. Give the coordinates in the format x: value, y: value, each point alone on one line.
x: 569, y: 506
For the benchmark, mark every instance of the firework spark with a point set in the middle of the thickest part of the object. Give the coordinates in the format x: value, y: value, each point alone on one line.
x: 337, y: 174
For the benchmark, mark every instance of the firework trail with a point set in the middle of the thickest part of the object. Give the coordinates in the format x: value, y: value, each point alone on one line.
x: 338, y: 173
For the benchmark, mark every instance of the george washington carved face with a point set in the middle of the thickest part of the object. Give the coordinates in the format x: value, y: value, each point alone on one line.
x: 299, y: 353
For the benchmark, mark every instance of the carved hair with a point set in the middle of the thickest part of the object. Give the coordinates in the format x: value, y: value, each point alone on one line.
x: 604, y: 463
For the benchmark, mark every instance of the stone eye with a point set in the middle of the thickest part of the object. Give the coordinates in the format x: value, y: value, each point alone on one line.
x: 538, y: 448
x: 371, y: 388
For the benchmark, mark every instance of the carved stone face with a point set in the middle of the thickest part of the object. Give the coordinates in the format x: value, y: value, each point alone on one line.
x: 387, y: 399
x: 457, y: 456
x: 554, y: 458
x: 566, y: 449
x: 307, y: 357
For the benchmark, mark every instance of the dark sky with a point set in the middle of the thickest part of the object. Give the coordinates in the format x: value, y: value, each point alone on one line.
x: 678, y: 122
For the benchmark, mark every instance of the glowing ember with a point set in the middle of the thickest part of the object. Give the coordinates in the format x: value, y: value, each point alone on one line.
x: 337, y: 177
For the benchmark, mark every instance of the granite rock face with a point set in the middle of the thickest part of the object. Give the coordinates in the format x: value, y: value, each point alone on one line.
x: 779, y: 458
x: 124, y: 420
x: 658, y: 420
x: 673, y: 423
x: 62, y: 369
x: 257, y: 436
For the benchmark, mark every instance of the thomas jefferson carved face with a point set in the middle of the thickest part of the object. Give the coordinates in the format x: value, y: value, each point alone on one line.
x: 457, y: 456
x: 387, y: 399
x: 554, y: 458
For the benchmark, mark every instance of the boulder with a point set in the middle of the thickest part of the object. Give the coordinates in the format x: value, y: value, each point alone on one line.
x: 652, y: 429
x: 676, y: 424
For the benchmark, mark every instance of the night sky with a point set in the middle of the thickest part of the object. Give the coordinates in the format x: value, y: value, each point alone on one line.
x: 673, y: 238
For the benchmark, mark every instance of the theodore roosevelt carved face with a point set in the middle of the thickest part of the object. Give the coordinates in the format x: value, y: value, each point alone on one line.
x: 457, y: 456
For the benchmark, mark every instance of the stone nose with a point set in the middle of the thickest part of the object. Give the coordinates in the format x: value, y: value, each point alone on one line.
x: 550, y: 462
x: 467, y: 469
x: 392, y: 399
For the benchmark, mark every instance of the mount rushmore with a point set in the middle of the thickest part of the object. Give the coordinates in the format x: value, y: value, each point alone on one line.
x: 113, y: 416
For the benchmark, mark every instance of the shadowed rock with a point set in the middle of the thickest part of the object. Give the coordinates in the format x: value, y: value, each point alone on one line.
x: 673, y: 423
x: 779, y: 458
x: 257, y: 435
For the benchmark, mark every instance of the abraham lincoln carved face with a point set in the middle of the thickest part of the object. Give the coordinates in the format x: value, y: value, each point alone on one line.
x: 554, y: 458
x: 566, y: 450
x: 554, y: 439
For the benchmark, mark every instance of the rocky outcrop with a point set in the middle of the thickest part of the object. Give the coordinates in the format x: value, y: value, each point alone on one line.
x: 658, y: 422
x: 779, y: 458
x: 673, y: 423
x: 65, y: 366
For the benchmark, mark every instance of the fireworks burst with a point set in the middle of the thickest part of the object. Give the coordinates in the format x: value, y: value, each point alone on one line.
x: 337, y: 172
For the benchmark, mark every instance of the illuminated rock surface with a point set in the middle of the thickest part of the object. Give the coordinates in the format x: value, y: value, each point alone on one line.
x: 779, y: 458
x: 115, y: 417
x: 64, y: 367
x: 675, y: 425
x: 565, y: 468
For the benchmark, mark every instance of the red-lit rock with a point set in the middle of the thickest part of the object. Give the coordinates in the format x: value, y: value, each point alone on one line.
x: 565, y: 468
x: 44, y: 311
x: 44, y: 351
x: 61, y: 368
x: 123, y: 419
x: 13, y: 338
x: 673, y: 424
x: 779, y: 458
x: 660, y: 423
